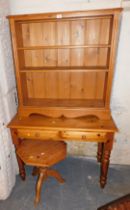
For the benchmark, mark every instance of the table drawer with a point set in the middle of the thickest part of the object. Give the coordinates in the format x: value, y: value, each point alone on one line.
x: 64, y: 135
x: 85, y: 136
x: 39, y: 134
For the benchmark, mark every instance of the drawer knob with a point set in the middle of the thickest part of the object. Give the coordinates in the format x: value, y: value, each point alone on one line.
x: 28, y: 134
x: 61, y: 134
x: 37, y: 134
x: 83, y: 137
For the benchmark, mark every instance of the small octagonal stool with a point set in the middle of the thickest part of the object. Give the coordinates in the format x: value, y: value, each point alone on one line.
x: 42, y: 155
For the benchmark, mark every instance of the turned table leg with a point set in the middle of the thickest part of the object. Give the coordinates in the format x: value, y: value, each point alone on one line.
x: 106, y: 159
x: 21, y: 168
x: 16, y: 142
x: 100, y: 151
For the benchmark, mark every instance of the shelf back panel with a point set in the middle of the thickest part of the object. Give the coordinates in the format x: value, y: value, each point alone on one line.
x: 63, y: 85
x: 66, y: 32
x: 82, y: 57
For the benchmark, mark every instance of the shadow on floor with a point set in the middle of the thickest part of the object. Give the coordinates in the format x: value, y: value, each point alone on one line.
x: 80, y: 192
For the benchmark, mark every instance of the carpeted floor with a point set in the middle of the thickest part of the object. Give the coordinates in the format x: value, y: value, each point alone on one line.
x: 81, y: 190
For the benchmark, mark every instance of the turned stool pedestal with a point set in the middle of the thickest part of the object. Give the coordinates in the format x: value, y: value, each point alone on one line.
x: 42, y: 155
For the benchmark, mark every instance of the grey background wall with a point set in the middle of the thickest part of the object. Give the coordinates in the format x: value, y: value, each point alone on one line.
x: 8, y: 166
x: 120, y: 101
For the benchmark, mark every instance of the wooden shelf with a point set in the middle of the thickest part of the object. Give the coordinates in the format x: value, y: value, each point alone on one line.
x: 64, y: 68
x: 65, y: 103
x: 65, y: 47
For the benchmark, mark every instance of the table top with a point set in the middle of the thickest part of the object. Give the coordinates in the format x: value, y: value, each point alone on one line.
x: 86, y: 123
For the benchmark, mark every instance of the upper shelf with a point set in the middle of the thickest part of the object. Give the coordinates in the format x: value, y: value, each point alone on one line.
x: 65, y: 47
x: 70, y: 33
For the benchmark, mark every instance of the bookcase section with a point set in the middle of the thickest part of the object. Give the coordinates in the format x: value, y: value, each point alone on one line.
x: 65, y: 61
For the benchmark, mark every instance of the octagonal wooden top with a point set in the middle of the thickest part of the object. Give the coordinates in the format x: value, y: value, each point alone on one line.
x: 41, y: 153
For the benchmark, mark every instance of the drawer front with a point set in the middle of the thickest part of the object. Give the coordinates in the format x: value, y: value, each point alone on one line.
x: 61, y: 135
x: 37, y: 134
x: 84, y: 136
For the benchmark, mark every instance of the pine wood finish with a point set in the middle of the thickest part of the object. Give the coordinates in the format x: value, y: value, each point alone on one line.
x: 64, y: 66
x: 42, y: 155
x: 65, y: 62
x: 87, y: 128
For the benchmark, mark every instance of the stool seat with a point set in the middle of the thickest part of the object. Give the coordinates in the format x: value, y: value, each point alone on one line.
x: 42, y: 155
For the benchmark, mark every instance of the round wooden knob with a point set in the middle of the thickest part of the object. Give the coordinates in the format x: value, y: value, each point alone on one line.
x: 83, y: 137
x: 37, y: 135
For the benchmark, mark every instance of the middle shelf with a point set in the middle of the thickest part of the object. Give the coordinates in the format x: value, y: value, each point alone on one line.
x: 38, y: 86
x: 63, y: 69
x: 88, y: 58
x: 64, y: 46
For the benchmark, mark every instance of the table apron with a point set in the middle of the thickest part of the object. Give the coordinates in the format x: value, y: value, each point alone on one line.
x: 62, y: 135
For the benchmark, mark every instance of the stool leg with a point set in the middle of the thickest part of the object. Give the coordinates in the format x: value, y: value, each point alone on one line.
x: 35, y: 171
x: 41, y: 178
x: 55, y: 174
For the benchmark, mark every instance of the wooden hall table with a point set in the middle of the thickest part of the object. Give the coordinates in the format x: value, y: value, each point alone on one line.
x: 88, y: 128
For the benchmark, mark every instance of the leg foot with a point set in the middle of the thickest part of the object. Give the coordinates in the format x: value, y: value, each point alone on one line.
x: 41, y: 178
x: 56, y: 175
x: 105, y: 160
x: 104, y: 168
